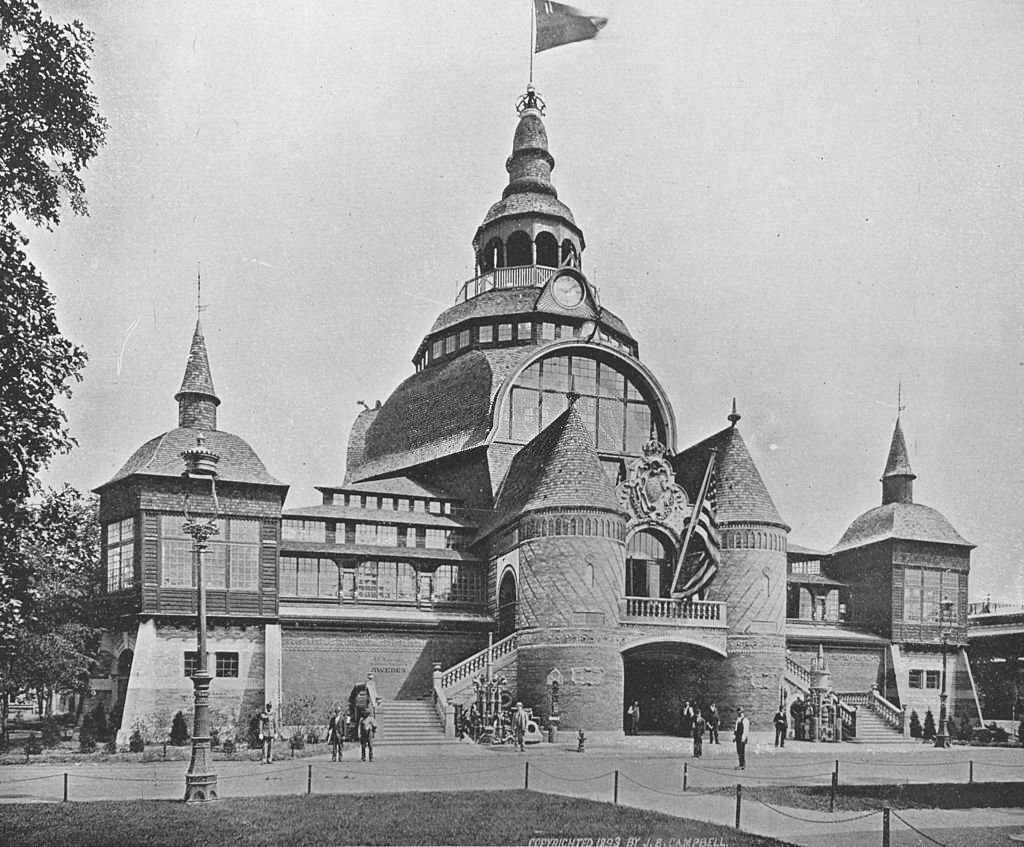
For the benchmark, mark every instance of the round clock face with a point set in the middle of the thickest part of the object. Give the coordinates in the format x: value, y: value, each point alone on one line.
x: 567, y: 291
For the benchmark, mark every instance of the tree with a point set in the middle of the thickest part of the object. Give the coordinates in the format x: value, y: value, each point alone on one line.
x: 54, y: 649
x: 49, y: 130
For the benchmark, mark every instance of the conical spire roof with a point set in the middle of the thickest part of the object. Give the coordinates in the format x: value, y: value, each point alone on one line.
x: 559, y: 468
x: 197, y: 379
x: 898, y: 463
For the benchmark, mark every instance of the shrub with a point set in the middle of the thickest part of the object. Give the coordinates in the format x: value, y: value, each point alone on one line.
x: 86, y: 735
x: 50, y: 733
x: 100, y: 729
x: 228, y: 747
x: 214, y: 739
x: 297, y: 742
x: 136, y: 744
x: 929, y: 726
x: 252, y: 737
x: 966, y: 729
x: 915, y: 725
x: 33, y: 746
x: 110, y: 746
x: 179, y: 730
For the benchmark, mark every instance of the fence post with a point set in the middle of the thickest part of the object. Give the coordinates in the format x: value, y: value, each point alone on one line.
x: 65, y: 786
x: 885, y: 826
x: 836, y: 774
x: 739, y: 802
x: 309, y: 780
x: 615, y: 798
x: 971, y: 776
x: 832, y: 795
x: 684, y: 775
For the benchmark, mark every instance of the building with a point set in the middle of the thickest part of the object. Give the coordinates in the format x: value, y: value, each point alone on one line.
x: 523, y: 486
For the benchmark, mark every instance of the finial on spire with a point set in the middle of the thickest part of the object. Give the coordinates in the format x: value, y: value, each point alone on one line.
x: 530, y: 100
x: 199, y: 290
x: 900, y: 406
x: 734, y: 416
x: 572, y: 394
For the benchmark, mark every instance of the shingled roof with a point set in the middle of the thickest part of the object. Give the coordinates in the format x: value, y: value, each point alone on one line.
x: 903, y: 521
x: 741, y: 492
x: 559, y: 468
x: 198, y: 378
x: 898, y: 463
x: 161, y: 456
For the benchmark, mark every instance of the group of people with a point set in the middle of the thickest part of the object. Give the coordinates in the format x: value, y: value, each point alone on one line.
x: 694, y: 723
x: 338, y: 727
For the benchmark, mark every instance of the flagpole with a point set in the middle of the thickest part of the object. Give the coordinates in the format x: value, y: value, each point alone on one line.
x: 533, y: 36
x: 697, y: 504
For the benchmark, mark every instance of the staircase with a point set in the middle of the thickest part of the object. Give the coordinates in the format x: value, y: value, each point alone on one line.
x: 408, y: 722
x: 872, y: 729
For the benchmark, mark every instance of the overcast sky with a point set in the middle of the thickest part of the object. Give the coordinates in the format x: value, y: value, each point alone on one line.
x: 795, y: 203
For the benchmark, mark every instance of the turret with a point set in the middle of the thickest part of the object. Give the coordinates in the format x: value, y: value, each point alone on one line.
x: 898, y: 478
x: 197, y: 400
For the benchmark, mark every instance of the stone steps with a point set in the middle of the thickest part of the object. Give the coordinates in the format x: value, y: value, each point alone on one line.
x: 409, y: 722
x: 871, y: 729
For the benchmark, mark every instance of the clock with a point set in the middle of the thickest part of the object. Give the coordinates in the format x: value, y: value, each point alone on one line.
x: 567, y: 291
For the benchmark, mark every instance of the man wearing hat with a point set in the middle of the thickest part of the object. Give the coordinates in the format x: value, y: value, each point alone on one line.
x: 740, y: 735
x: 519, y: 721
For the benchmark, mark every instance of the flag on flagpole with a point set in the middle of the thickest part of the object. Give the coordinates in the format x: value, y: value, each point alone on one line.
x: 706, y: 529
x: 559, y: 24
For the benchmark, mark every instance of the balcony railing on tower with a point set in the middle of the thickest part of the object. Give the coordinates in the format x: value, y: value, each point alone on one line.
x: 705, y: 613
x: 520, y: 276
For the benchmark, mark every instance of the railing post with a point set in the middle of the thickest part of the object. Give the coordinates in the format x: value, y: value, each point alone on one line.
x: 65, y: 787
x: 684, y: 775
x: 309, y: 781
x: 835, y: 775
x: 970, y: 777
x: 885, y: 827
x: 739, y: 803
x: 526, y: 777
x: 832, y: 794
x: 615, y: 798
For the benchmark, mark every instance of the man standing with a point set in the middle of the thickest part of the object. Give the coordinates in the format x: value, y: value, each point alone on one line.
x: 367, y: 729
x: 519, y: 722
x: 781, y: 725
x: 698, y: 734
x: 686, y: 720
x: 797, y: 711
x: 633, y: 713
x: 713, y: 722
x: 741, y: 734
x: 268, y: 731
x: 336, y: 735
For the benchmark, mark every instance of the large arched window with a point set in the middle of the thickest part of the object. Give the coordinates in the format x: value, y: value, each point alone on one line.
x: 650, y: 565
x: 612, y: 404
x: 507, y: 605
x: 547, y: 250
x: 519, y: 250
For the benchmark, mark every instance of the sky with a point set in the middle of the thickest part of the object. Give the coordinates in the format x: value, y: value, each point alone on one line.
x: 798, y: 204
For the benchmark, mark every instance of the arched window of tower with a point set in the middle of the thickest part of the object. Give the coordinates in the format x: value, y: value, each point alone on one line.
x: 519, y: 250
x: 547, y: 250
x: 616, y: 408
x: 493, y: 255
x: 507, y: 605
x: 649, y: 565
x: 569, y: 254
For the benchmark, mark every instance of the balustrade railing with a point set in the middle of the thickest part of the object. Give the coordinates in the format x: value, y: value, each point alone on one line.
x: 522, y: 276
x: 848, y: 719
x: 798, y: 671
x: 855, y: 699
x: 478, y: 661
x: 701, y: 612
x: 888, y: 712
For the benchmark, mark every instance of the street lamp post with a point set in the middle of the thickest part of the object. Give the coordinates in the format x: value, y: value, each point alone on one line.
x: 200, y: 780
x: 945, y: 616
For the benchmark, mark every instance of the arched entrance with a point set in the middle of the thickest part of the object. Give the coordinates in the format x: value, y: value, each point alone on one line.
x: 662, y: 676
x: 507, y: 605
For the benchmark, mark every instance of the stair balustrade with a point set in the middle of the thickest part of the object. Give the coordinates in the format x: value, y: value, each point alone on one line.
x: 798, y: 672
x: 892, y: 714
x: 478, y: 661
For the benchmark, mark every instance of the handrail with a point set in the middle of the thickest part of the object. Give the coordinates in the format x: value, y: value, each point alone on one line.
x: 478, y: 661
x: 848, y: 719
x: 667, y: 608
x: 798, y: 670
x: 888, y: 712
x: 520, y: 276
x: 854, y: 699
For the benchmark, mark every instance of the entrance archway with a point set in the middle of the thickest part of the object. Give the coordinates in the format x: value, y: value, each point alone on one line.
x: 507, y: 605
x: 662, y: 676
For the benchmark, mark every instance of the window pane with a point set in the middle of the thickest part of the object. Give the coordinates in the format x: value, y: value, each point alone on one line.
x: 638, y: 427
x: 547, y: 331
x: 464, y: 338
x: 610, y: 425
x: 552, y: 405
x: 530, y: 378
x: 215, y: 561
x: 289, y: 576
x: 328, y: 579
x: 306, y: 581
x: 610, y: 382
x: 176, y: 564
x: 227, y: 664
x: 242, y: 530
x: 556, y: 374
x: 504, y: 332
x: 449, y: 344
x: 584, y: 375
x: 525, y: 414
x: 486, y: 334
x: 524, y: 331
x: 245, y: 567
x: 587, y: 407
x: 170, y: 526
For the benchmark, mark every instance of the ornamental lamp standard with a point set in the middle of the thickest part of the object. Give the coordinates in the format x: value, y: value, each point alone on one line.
x: 200, y: 780
x: 945, y: 618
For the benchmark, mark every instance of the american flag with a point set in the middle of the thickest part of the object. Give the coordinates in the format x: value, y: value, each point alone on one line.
x: 707, y: 530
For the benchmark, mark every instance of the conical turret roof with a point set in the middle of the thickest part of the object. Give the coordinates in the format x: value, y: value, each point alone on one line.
x: 559, y: 468
x: 741, y: 494
x: 198, y: 379
x: 898, y: 463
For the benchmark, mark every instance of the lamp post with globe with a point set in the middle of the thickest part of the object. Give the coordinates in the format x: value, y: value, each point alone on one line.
x: 200, y: 780
x: 945, y: 619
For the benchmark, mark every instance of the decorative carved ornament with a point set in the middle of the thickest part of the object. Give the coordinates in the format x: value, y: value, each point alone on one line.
x: 649, y: 493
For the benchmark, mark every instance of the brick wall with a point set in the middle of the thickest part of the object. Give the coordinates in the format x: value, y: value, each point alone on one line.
x: 750, y: 678
x: 868, y: 572
x: 854, y: 669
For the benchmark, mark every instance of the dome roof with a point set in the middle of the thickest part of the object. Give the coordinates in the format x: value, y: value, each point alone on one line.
x: 903, y: 521
x: 161, y: 456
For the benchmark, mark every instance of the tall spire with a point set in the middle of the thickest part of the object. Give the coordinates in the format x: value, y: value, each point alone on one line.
x: 197, y: 399
x: 898, y: 478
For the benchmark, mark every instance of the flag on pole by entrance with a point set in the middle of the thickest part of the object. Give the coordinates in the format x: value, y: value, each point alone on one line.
x: 706, y: 529
x: 559, y: 24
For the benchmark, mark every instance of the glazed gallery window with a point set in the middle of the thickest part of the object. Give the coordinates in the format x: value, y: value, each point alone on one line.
x: 297, y: 530
x: 230, y: 561
x: 120, y: 541
x: 649, y: 566
x: 385, y: 581
x: 925, y: 679
x: 612, y: 406
x: 308, y: 576
x: 458, y: 584
x: 226, y: 664
x: 923, y: 593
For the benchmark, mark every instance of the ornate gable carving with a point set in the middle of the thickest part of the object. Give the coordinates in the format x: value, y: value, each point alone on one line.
x: 650, y: 494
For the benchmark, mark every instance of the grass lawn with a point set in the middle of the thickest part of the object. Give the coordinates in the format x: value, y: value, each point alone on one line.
x: 485, y: 817
x: 939, y: 795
